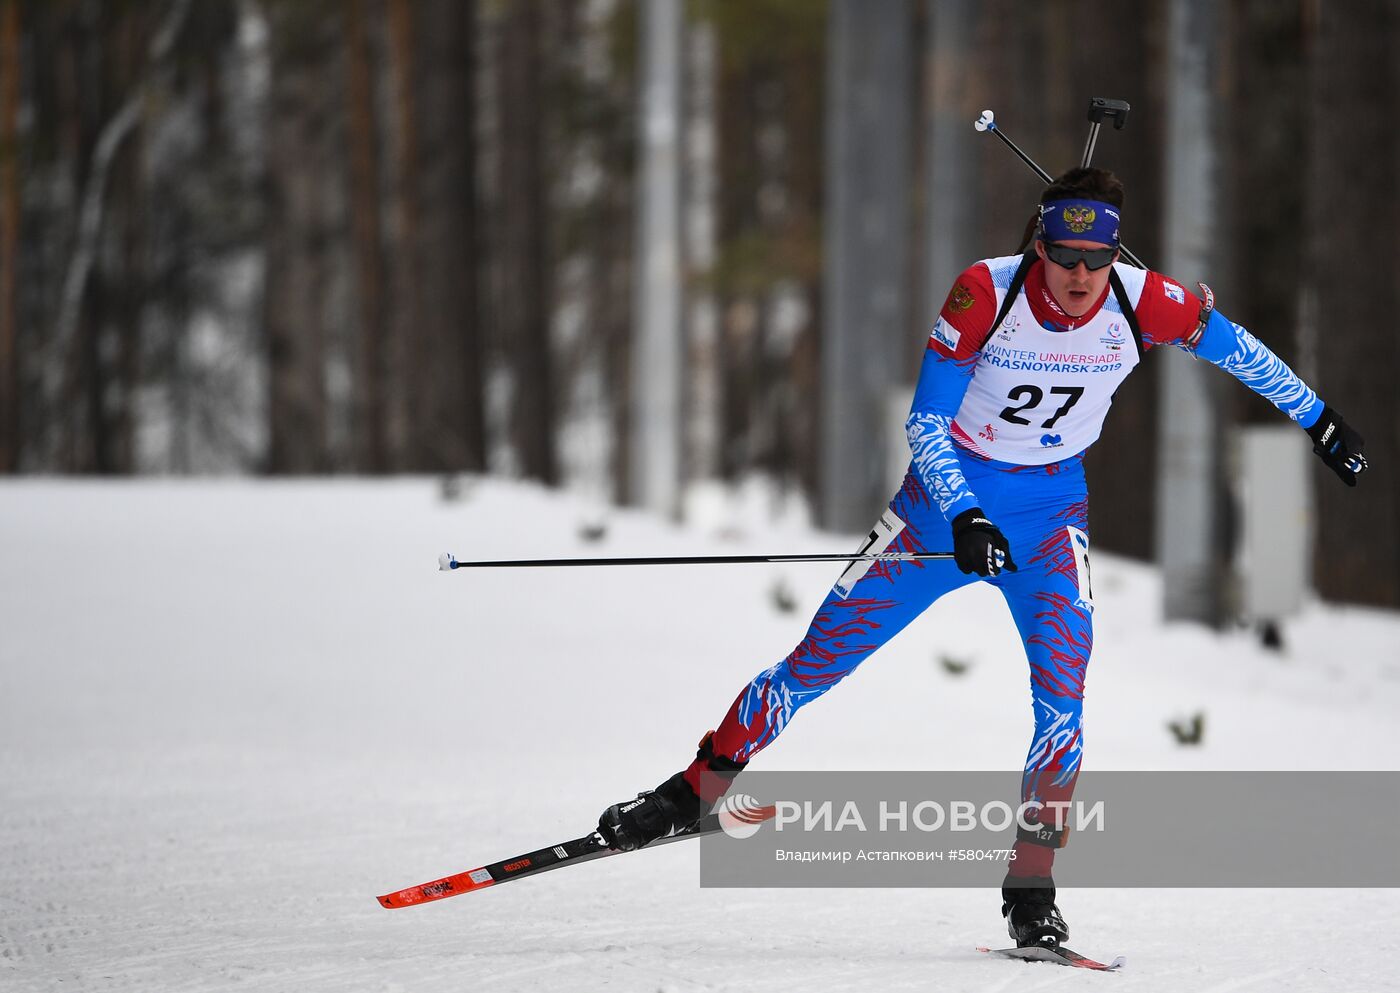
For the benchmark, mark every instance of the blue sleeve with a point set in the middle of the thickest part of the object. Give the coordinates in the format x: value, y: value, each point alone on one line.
x: 942, y: 383
x: 1232, y: 348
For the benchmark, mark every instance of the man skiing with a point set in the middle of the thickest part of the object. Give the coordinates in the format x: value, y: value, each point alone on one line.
x: 1019, y: 373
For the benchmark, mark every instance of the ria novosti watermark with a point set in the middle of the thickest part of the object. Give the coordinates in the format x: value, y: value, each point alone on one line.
x: 1121, y: 829
x: 933, y: 815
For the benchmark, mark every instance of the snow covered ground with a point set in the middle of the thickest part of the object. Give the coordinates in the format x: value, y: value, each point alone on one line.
x: 231, y: 713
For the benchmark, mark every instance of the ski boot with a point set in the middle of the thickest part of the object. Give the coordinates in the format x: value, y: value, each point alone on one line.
x: 674, y: 805
x: 1032, y: 919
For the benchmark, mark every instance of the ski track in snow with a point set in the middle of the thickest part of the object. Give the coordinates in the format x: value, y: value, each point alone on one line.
x: 234, y: 712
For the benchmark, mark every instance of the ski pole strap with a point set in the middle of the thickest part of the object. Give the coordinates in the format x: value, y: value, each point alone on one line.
x: 1046, y: 837
x: 1126, y: 305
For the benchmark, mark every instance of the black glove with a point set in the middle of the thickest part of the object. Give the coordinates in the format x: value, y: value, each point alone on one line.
x: 979, y: 546
x: 1338, y: 446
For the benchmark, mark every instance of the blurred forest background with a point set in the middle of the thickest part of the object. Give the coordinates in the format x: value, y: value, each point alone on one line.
x: 401, y: 236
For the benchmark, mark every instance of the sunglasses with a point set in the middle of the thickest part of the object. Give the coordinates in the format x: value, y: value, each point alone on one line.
x: 1094, y: 258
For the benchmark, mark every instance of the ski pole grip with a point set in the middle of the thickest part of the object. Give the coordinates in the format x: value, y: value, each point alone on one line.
x: 1103, y: 109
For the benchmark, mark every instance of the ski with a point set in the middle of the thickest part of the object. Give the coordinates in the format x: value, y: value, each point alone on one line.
x: 1059, y: 955
x: 584, y: 849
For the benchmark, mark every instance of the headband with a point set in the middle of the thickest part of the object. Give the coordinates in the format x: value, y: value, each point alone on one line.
x: 1086, y: 220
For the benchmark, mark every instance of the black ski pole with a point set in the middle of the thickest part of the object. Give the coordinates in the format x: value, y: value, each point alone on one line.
x: 987, y: 122
x: 447, y: 562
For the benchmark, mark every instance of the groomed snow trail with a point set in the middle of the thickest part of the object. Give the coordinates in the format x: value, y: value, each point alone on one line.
x: 231, y: 713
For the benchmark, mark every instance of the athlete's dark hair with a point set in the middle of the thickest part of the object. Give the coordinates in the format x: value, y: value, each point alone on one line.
x: 1083, y: 182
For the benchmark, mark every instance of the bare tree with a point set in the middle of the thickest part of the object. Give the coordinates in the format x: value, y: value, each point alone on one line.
x: 9, y: 232
x: 1352, y: 217
x: 867, y: 309
x: 298, y: 235
x: 451, y: 431
x: 72, y: 384
x: 370, y: 452
x: 1190, y: 480
x: 656, y: 326
x: 405, y: 348
x: 523, y: 305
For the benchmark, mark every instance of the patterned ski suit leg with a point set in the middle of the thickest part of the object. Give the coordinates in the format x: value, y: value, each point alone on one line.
x: 1043, y: 510
x: 1044, y: 513
x: 845, y: 632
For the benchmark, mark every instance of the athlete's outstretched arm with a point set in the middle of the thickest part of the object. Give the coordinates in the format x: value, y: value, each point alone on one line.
x: 1231, y: 347
x: 1171, y: 316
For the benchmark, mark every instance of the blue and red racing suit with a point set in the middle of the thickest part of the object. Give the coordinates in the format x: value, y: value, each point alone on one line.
x: 1001, y: 421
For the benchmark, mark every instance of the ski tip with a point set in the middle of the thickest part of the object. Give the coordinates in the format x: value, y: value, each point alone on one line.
x: 1059, y: 955
x: 403, y: 898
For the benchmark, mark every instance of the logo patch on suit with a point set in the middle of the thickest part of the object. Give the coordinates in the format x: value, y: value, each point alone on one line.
x: 1079, y: 544
x: 1174, y: 292
x: 946, y: 335
x: 961, y: 298
x: 1051, y: 441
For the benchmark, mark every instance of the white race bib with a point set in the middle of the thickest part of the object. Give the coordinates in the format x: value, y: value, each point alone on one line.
x: 1038, y: 396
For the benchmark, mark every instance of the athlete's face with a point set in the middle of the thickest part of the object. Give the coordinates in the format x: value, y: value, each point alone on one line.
x: 1075, y: 290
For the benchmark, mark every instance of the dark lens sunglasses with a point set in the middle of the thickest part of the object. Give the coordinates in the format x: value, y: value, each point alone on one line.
x: 1094, y: 258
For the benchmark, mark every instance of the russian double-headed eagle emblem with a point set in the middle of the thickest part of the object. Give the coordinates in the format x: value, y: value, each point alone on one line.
x: 1079, y: 219
x: 962, y: 298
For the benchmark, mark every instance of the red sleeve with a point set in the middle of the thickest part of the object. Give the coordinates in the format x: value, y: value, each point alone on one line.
x: 1166, y: 311
x: 966, y: 318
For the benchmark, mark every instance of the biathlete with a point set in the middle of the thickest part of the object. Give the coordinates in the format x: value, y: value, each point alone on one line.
x: 1020, y: 370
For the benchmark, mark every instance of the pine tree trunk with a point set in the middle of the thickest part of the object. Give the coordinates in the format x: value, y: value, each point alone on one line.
x: 1353, y: 215
x: 452, y: 430
x: 406, y: 352
x: 369, y: 445
x: 524, y: 305
x: 297, y: 238
x: 737, y: 224
x: 9, y: 233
